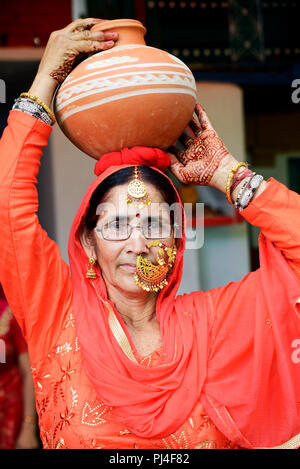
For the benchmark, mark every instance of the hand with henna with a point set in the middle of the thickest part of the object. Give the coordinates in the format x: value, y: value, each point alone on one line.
x: 205, y: 157
x: 63, y: 47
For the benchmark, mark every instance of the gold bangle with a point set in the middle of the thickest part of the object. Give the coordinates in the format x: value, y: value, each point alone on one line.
x: 41, y: 103
x: 29, y: 419
x: 229, y: 180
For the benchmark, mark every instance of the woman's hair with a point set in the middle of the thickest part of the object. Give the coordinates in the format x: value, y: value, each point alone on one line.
x: 119, y: 178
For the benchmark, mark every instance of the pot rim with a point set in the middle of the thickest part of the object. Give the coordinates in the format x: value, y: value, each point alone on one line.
x: 119, y: 23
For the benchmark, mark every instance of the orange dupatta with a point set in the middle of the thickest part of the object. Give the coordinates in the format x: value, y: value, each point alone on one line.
x: 151, y: 402
x: 154, y: 402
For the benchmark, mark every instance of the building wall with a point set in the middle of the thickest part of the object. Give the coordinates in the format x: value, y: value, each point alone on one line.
x: 72, y: 173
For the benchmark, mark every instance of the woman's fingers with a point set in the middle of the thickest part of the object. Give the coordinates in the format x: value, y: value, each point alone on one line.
x: 203, y: 118
x: 89, y: 45
x: 177, y: 152
x: 195, y: 126
x: 175, y: 166
x: 186, y: 140
x: 87, y: 35
x: 80, y: 30
x: 82, y: 23
x: 65, y: 45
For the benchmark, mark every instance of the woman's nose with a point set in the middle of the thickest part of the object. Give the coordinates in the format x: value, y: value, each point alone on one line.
x: 137, y: 243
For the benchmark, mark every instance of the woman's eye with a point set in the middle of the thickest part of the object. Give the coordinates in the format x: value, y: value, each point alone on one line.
x: 118, y: 225
x: 154, y: 226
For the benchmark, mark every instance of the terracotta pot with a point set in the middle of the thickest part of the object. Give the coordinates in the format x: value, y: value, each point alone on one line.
x: 129, y: 95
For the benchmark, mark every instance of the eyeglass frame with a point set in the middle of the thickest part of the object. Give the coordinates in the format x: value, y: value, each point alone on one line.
x: 99, y: 229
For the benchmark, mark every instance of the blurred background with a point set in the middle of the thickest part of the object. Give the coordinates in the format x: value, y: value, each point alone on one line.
x: 245, y: 56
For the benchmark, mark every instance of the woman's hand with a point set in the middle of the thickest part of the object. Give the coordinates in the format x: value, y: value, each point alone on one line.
x: 205, y: 160
x: 65, y: 44
x: 61, y: 51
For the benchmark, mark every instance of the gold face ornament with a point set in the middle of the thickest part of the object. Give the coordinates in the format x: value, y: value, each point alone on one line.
x: 148, y: 276
x: 152, y: 277
x: 136, y: 192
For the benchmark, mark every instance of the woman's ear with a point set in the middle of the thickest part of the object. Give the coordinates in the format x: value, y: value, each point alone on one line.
x: 88, y: 242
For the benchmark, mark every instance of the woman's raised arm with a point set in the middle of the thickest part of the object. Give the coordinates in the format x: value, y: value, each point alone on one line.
x: 206, y: 161
x: 61, y: 51
x: 34, y: 276
x: 252, y: 385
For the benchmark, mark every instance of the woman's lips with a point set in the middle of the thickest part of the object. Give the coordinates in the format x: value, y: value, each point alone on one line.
x: 129, y: 267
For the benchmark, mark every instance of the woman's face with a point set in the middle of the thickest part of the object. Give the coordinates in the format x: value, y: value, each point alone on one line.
x: 117, y: 259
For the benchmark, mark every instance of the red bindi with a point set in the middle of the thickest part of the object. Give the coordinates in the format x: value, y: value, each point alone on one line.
x: 137, y: 215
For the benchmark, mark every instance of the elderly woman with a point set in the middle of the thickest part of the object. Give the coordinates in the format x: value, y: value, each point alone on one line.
x: 118, y: 360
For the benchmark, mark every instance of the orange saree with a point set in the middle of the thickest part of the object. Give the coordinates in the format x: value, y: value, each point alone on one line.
x: 232, y: 370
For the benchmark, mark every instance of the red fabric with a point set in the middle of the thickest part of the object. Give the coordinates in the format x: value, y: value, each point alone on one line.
x: 133, y: 156
x: 248, y: 382
x: 10, y: 379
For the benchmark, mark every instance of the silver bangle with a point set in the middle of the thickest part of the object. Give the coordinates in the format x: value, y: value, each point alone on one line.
x: 251, y: 188
x: 241, y: 191
x: 33, y: 109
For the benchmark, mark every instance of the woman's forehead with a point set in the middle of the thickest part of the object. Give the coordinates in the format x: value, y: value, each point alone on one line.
x: 115, y: 203
x: 112, y: 210
x: 119, y: 193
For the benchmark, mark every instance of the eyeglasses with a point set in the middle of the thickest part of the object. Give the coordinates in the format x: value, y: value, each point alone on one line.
x: 120, y: 231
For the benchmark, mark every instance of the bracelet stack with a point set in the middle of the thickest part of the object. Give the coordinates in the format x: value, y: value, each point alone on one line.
x: 246, y: 181
x: 239, y: 177
x: 230, y: 179
x: 251, y: 182
x: 35, y: 107
x: 247, y: 192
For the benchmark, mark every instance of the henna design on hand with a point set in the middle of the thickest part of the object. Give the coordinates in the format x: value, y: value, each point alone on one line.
x: 203, y: 154
x: 63, y: 71
x: 81, y: 33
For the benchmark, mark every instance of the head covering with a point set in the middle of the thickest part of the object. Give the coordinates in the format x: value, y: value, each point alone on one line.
x: 150, y: 401
x: 153, y: 157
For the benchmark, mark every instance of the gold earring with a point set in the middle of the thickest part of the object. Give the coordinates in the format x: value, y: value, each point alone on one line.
x: 91, y: 273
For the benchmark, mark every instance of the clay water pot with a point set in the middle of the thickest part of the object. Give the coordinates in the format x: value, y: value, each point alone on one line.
x: 129, y: 95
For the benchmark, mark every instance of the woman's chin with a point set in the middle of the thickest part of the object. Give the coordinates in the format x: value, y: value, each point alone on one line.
x: 127, y: 283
